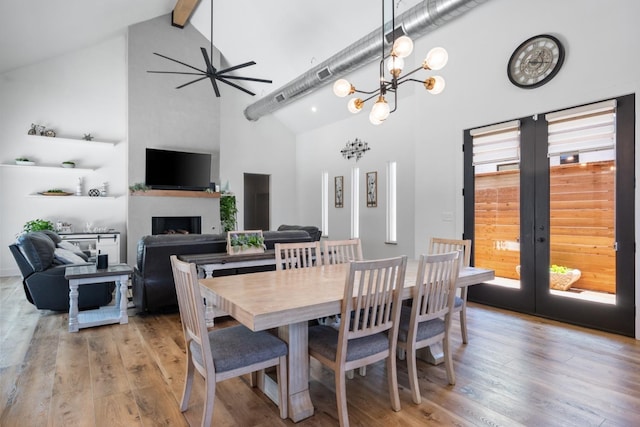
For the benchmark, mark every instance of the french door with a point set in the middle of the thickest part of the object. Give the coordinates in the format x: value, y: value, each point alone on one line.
x: 549, y: 205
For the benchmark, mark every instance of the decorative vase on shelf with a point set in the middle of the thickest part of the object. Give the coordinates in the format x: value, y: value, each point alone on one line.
x: 79, y: 187
x: 94, y: 192
x: 103, y: 190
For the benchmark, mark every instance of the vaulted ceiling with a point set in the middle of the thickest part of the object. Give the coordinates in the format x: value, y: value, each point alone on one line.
x: 284, y: 37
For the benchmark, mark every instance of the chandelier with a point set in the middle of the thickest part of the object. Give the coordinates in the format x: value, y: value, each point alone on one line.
x: 401, y: 47
x: 355, y: 149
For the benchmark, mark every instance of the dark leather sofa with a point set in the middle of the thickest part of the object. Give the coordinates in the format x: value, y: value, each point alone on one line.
x: 153, y: 286
x: 43, y: 275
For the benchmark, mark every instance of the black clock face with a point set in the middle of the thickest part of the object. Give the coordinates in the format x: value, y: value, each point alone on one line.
x: 536, y: 61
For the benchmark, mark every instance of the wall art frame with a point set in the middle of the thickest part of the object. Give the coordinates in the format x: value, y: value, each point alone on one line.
x: 372, y: 189
x: 339, y: 191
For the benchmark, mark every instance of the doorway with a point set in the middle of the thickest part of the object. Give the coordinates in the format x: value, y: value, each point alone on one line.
x: 551, y: 210
x: 256, y: 202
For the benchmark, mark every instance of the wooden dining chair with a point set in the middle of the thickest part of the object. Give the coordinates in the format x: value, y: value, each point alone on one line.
x: 438, y: 246
x: 428, y: 320
x: 369, y: 327
x: 225, y: 353
x: 342, y: 251
x: 297, y: 255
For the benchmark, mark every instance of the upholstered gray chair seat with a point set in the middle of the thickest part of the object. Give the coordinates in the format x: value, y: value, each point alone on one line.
x: 324, y: 340
x: 238, y: 346
x: 425, y: 329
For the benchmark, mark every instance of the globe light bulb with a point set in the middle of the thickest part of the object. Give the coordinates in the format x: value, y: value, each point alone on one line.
x: 355, y: 105
x: 434, y: 85
x: 342, y: 88
x: 380, y: 110
x: 395, y: 65
x: 403, y: 46
x: 373, y: 120
x: 436, y: 59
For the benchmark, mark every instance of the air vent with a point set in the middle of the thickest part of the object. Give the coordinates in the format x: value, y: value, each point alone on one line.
x: 280, y: 97
x: 398, y: 32
x: 324, y: 73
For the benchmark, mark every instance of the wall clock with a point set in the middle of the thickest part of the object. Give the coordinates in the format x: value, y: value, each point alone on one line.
x: 536, y: 61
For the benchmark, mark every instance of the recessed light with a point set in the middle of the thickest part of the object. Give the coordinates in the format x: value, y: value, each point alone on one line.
x: 314, y: 109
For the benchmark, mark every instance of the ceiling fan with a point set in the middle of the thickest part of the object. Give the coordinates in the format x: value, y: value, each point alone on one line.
x: 211, y: 72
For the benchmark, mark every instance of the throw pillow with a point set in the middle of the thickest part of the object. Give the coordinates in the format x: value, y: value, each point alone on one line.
x: 73, y: 248
x: 65, y: 256
x: 37, y: 248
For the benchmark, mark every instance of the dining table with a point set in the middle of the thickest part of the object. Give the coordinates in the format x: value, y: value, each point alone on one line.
x: 288, y: 300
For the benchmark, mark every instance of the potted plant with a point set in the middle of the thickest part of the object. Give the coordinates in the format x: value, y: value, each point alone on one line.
x: 243, y: 242
x: 228, y: 212
x: 38, y: 225
x: 68, y: 164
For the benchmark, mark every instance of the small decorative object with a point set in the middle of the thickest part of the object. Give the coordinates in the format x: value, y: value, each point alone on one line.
x: 339, y: 198
x: 372, y: 189
x: 355, y: 149
x: 24, y: 161
x: 79, y: 187
x: 68, y: 164
x: 103, y: 190
x: 536, y: 61
x: 50, y: 133
x: 63, y: 227
x: 94, y: 192
x: 245, y: 242
x: 56, y: 192
x: 87, y: 137
x: 33, y: 130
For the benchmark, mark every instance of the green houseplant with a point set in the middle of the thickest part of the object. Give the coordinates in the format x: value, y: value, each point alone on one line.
x: 244, y: 241
x: 228, y: 212
x: 38, y: 225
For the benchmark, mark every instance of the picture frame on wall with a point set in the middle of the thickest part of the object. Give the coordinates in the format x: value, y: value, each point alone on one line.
x: 339, y: 191
x: 372, y: 189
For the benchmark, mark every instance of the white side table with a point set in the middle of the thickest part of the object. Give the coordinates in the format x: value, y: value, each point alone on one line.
x: 88, y: 274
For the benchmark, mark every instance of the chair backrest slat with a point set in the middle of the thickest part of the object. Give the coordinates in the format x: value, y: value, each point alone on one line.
x: 191, y: 307
x: 435, y: 286
x: 342, y: 251
x: 370, y: 291
x: 439, y: 245
x: 297, y: 255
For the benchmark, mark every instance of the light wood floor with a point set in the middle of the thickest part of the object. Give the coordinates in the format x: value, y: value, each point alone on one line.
x: 516, y: 371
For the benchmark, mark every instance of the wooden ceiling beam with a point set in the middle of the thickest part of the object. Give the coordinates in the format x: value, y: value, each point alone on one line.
x: 182, y: 12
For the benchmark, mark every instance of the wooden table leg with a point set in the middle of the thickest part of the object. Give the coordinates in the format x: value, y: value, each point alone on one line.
x: 73, y: 306
x: 297, y: 335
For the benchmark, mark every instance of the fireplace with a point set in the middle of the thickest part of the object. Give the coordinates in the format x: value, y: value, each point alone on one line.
x: 176, y: 224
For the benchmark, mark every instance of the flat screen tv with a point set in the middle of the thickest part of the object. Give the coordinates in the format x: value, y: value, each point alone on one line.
x: 177, y: 170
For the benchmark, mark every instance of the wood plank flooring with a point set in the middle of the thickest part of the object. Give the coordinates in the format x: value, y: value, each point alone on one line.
x: 516, y: 370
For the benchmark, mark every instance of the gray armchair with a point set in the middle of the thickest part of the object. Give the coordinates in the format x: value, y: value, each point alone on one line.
x: 43, y: 275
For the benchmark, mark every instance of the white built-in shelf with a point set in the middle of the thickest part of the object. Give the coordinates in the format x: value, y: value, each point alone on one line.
x: 72, y: 196
x: 50, y: 167
x: 93, y: 143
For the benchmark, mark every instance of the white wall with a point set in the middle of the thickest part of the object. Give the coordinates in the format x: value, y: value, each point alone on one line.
x: 81, y: 92
x: 600, y: 40
x: 261, y: 147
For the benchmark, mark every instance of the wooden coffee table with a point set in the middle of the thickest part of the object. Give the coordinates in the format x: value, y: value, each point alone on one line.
x: 81, y: 275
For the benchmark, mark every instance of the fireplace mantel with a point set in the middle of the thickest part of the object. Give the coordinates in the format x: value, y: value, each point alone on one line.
x: 176, y: 193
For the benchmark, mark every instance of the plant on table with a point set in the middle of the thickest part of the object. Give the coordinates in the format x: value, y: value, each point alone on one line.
x: 245, y: 241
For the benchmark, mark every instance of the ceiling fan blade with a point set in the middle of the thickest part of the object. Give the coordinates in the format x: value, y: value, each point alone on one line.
x: 177, y: 72
x: 215, y: 86
x: 210, y: 68
x: 235, y: 67
x: 246, y: 78
x: 222, y: 79
x: 193, y: 81
x: 179, y: 62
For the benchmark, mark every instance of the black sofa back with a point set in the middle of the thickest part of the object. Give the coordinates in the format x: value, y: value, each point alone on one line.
x: 153, y: 285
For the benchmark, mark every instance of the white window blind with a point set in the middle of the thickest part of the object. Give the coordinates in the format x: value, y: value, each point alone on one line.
x: 496, y: 144
x: 582, y: 129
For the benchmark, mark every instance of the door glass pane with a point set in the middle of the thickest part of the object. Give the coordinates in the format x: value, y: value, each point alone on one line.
x: 582, y: 202
x: 497, y: 222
